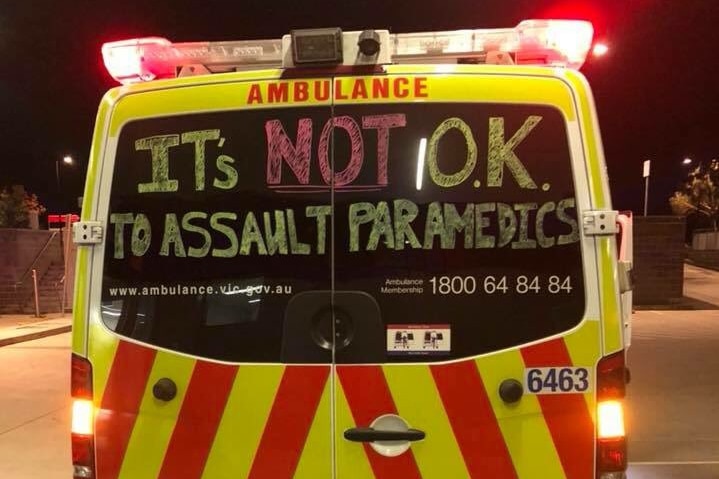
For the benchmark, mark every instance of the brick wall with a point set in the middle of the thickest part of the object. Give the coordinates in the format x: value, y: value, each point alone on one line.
x: 658, y: 259
x: 19, y: 247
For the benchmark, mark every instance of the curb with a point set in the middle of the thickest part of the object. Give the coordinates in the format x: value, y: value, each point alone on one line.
x: 698, y: 264
x: 36, y: 335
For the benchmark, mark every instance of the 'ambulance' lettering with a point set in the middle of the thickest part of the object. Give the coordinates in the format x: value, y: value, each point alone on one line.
x: 343, y: 89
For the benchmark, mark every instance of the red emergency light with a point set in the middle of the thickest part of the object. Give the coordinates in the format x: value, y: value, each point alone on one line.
x: 140, y: 59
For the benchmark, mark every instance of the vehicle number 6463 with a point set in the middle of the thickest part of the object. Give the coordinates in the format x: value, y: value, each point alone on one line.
x: 561, y: 380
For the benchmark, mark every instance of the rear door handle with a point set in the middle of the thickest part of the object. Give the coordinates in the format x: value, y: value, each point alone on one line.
x: 368, y: 434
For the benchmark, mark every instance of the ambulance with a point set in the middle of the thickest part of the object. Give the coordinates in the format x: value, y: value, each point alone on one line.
x: 350, y: 255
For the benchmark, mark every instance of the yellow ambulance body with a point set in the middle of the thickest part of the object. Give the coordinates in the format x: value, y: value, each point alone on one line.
x: 349, y: 267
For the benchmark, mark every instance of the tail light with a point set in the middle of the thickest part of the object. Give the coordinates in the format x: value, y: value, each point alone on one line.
x: 611, y: 377
x: 611, y: 434
x: 83, y: 428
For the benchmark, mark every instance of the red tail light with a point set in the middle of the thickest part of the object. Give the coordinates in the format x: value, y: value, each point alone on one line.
x: 83, y: 436
x: 81, y: 378
x: 611, y: 456
x: 611, y: 377
x: 611, y: 435
x: 82, y: 453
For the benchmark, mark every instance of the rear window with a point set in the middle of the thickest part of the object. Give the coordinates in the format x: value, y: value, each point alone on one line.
x: 225, y: 238
x: 476, y: 241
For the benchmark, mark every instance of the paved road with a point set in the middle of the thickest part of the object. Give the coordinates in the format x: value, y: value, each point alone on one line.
x: 35, y: 409
x: 674, y: 397
x: 673, y: 414
x: 702, y: 284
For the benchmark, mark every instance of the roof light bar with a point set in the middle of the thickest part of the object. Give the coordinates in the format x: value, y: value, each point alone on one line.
x: 536, y: 42
x: 145, y: 59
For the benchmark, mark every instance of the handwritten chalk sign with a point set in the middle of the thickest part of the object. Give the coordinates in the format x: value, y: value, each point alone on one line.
x: 392, y: 225
x: 477, y: 157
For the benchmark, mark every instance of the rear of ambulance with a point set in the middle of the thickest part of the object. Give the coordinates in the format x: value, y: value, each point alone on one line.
x: 403, y: 268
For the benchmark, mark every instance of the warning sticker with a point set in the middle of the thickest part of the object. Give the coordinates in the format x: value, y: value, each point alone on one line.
x: 412, y: 339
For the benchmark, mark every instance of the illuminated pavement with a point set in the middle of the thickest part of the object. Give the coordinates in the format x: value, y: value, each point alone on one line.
x: 674, y: 409
x: 35, y: 409
x: 17, y: 328
x: 701, y: 285
x: 673, y: 415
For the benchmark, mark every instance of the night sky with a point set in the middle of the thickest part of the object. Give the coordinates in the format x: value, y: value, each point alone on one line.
x: 657, y: 90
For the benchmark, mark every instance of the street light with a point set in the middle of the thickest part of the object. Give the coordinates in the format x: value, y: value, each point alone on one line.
x: 687, y: 161
x: 600, y: 49
x: 66, y: 160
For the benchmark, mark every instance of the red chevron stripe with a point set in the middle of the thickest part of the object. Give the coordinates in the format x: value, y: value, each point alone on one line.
x: 288, y: 425
x: 197, y: 422
x: 369, y: 397
x: 473, y: 421
x: 119, y: 406
x: 567, y: 416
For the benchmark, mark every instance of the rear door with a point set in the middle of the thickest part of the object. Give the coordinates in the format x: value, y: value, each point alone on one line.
x: 459, y: 273
x: 212, y: 351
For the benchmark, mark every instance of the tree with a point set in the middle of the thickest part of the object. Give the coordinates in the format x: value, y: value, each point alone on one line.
x: 16, y: 205
x: 699, y: 195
